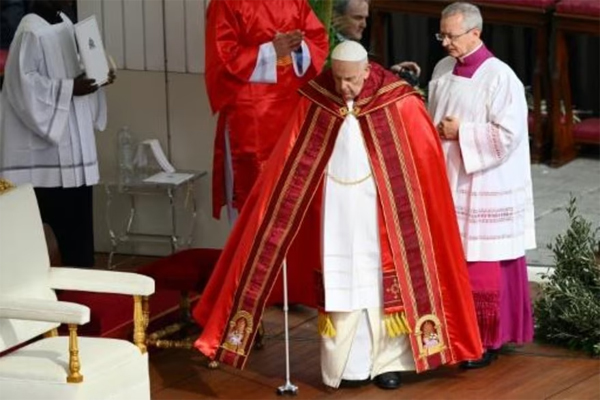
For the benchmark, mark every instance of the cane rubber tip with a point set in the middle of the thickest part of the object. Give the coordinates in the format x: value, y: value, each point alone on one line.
x: 287, y: 390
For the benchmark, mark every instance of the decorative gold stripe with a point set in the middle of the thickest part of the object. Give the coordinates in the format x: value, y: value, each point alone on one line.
x: 406, y: 164
x: 290, y: 175
x: 326, y: 92
x: 383, y: 90
x: 359, y: 110
x: 421, y: 228
x: 411, y: 191
x: 390, y: 195
x: 397, y: 231
x: 277, y: 209
x: 284, y: 61
x: 382, y: 105
x: 416, y: 203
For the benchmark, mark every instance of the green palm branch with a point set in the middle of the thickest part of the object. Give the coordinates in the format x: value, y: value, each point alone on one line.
x: 324, y: 11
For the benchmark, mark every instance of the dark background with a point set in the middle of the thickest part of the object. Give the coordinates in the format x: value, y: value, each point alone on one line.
x: 414, y: 40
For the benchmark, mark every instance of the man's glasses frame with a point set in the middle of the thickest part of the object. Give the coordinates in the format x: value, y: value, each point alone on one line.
x: 440, y: 37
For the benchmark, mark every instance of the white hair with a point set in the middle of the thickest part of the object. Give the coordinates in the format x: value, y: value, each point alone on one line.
x: 471, y: 15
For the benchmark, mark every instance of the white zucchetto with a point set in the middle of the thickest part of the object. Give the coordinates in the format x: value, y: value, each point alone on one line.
x: 349, y: 50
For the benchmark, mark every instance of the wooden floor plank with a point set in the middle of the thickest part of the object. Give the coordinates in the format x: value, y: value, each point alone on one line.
x: 586, y: 389
x: 531, y: 372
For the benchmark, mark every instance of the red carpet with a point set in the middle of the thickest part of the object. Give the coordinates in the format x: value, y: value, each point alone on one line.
x: 112, y: 314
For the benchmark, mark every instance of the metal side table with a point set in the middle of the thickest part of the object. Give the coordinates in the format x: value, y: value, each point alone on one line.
x: 167, y: 185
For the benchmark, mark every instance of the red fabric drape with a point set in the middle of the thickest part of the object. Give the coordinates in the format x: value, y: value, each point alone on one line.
x: 283, y: 211
x: 253, y: 113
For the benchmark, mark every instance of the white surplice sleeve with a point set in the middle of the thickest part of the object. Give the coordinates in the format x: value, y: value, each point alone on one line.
x: 43, y: 104
x: 265, y: 70
x: 487, y: 144
x: 98, y: 109
x: 301, y: 59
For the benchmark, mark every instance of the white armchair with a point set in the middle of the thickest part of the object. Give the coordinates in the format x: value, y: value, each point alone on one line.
x: 60, y: 367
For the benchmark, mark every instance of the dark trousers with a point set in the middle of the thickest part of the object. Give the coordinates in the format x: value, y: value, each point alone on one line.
x: 69, y: 212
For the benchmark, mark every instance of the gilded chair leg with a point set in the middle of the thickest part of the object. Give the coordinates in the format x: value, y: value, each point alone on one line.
x: 51, y: 333
x: 139, y: 329
x: 146, y: 310
x: 74, y: 365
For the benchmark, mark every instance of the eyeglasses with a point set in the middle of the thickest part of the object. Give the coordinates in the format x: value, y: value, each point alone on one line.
x: 440, y: 37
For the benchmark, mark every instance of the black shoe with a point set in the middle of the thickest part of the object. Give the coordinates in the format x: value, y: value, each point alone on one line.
x: 388, y: 380
x: 489, y: 356
x: 347, y: 383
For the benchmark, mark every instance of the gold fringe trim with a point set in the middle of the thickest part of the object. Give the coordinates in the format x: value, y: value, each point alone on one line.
x: 326, y: 328
x: 284, y: 61
x: 396, y: 324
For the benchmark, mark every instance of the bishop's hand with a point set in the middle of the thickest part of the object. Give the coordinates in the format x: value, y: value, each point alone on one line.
x: 285, y: 43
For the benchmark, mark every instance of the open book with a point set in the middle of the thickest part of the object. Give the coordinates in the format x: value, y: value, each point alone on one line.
x: 91, y: 50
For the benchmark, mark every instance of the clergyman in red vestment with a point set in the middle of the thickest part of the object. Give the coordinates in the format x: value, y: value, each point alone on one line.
x: 355, y: 199
x: 258, y: 53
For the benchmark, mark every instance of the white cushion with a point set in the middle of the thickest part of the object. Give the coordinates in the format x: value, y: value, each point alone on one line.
x: 111, y: 369
x: 44, y: 310
x: 90, y: 280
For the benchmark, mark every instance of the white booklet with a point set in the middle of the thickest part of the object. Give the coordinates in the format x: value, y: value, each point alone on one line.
x: 141, y: 158
x: 91, y: 50
x: 174, y: 178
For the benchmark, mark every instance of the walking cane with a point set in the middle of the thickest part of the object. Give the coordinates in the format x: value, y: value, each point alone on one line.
x: 288, y: 388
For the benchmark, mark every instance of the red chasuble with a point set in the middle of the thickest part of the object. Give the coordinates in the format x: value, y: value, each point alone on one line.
x: 425, y: 275
x: 254, y: 113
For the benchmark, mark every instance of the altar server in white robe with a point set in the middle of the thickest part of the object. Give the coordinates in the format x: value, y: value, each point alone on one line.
x: 478, y: 105
x: 49, y: 113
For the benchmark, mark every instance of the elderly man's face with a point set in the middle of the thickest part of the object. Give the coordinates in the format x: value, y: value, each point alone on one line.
x: 349, y: 77
x: 353, y: 23
x: 459, y: 40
